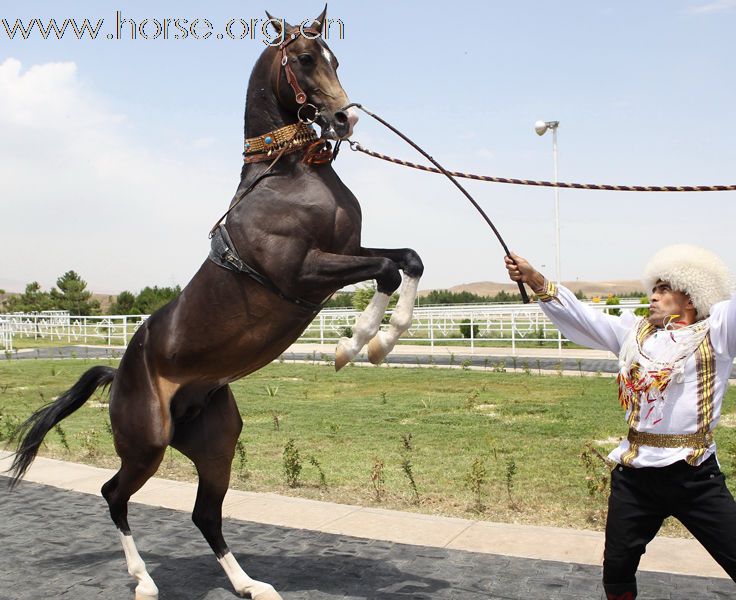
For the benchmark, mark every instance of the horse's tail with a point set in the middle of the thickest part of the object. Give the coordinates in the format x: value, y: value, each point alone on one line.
x: 35, y: 428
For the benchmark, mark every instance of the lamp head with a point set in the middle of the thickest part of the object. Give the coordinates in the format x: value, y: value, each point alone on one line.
x: 540, y: 127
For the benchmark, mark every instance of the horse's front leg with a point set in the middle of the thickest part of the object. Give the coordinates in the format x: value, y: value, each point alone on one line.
x: 322, y: 269
x: 410, y: 263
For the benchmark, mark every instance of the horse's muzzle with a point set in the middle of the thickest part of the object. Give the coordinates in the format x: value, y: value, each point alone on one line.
x: 345, y: 121
x: 340, y: 126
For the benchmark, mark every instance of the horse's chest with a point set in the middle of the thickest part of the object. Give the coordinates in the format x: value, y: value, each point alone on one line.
x: 346, y: 234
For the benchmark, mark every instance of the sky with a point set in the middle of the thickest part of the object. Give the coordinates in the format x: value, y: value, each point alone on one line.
x: 118, y: 155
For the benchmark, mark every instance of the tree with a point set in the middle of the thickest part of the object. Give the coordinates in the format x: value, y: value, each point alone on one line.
x: 73, y: 295
x: 362, y: 297
x: 32, y: 300
x: 150, y: 299
x: 364, y: 294
x: 123, y: 304
x: 448, y: 297
x: 340, y: 300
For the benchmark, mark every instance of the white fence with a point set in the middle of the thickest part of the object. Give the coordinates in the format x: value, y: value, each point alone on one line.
x: 6, y: 335
x: 509, y: 325
x: 512, y: 325
x: 113, y: 330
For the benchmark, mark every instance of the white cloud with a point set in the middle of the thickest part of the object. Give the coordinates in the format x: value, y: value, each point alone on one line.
x: 84, y: 188
x: 711, y: 7
x: 485, y: 153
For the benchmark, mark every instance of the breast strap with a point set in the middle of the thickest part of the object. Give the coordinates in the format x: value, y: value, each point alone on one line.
x: 224, y: 254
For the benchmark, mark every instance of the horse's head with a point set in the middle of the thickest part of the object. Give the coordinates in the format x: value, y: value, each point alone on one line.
x: 307, y: 82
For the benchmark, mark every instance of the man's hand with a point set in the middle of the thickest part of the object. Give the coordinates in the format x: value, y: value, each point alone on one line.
x: 520, y: 270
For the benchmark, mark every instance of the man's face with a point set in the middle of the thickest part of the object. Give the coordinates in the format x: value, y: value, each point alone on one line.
x: 668, y: 305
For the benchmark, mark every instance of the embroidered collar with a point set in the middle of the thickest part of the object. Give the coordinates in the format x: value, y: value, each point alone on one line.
x: 643, y: 379
x: 292, y: 137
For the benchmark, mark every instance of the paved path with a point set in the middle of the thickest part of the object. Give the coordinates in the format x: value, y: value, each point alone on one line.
x: 60, y: 543
x: 569, y: 361
x: 545, y: 359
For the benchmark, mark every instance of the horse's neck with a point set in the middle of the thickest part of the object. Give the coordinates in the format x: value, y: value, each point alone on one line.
x: 290, y: 165
x: 262, y: 119
x: 263, y: 113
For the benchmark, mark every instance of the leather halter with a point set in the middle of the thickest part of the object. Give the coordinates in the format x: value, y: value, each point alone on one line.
x: 299, y: 95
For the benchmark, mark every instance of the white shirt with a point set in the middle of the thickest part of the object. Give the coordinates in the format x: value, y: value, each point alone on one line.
x: 682, y: 407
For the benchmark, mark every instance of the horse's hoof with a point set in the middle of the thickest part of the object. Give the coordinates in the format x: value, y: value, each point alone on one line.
x: 342, y: 354
x: 341, y: 358
x: 378, y: 348
x: 272, y: 594
x: 264, y: 591
x: 144, y: 596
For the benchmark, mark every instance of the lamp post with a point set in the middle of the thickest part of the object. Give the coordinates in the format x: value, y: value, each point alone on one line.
x: 541, y: 128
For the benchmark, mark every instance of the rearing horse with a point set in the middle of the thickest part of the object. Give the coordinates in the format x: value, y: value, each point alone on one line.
x: 287, y: 245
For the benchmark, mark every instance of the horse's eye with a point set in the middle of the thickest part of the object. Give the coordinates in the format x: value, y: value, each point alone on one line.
x: 305, y: 60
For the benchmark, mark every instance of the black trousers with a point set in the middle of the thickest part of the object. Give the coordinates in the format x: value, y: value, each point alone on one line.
x: 642, y: 498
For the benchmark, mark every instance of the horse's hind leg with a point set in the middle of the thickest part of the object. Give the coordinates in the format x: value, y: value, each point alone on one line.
x: 209, y: 441
x: 135, y: 470
x: 141, y: 433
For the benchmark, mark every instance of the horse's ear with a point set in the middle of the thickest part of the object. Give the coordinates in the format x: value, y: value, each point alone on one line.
x: 278, y: 24
x: 319, y: 23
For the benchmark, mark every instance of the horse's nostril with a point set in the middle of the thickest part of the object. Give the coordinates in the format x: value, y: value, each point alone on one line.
x: 341, y: 117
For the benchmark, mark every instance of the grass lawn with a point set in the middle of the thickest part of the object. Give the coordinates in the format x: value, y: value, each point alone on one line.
x: 367, y: 429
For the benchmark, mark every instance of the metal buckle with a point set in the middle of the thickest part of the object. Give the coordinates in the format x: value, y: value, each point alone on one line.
x: 305, y: 119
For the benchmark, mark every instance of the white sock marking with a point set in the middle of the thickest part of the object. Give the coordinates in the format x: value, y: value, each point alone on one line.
x: 137, y: 568
x: 366, y: 326
x: 401, y: 317
x: 384, y: 341
x: 242, y: 583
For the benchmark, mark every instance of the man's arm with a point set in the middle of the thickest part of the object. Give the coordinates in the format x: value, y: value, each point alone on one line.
x: 577, y: 322
x: 723, y: 327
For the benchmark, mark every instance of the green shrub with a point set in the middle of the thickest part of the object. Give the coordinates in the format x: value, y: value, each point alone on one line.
x: 642, y: 312
x: 613, y: 301
x: 292, y: 464
x: 465, y: 329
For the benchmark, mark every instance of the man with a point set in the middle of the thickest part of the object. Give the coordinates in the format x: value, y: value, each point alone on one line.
x: 674, y: 370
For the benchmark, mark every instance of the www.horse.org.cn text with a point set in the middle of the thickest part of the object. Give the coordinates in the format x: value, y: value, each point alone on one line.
x: 269, y: 31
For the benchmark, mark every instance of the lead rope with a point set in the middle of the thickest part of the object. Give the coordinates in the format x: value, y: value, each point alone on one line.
x: 541, y: 183
x: 441, y: 169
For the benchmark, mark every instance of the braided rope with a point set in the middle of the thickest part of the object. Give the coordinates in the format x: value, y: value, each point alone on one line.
x: 560, y: 184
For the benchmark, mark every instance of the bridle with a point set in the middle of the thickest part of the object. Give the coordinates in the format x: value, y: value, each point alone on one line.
x: 299, y: 94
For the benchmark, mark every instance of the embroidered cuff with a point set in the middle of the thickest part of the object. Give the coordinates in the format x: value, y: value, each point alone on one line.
x: 549, y: 292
